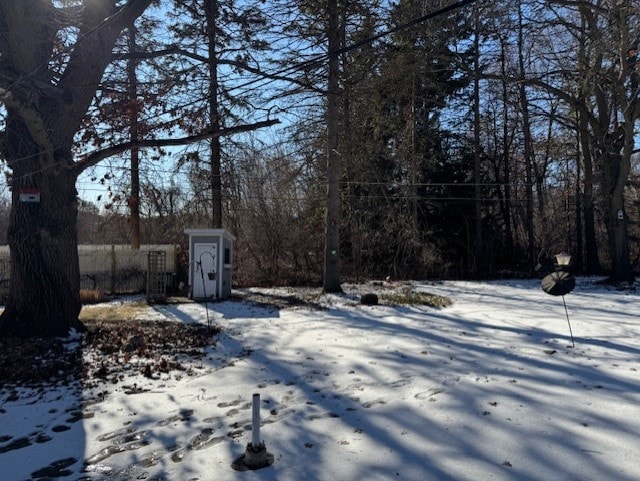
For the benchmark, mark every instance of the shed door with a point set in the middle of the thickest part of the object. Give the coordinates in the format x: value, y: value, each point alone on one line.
x: 205, y: 276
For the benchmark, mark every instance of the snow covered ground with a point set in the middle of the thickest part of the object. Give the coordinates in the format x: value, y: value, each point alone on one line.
x: 487, y: 389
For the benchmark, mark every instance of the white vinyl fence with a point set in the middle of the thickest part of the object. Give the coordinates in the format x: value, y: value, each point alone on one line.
x: 109, y: 268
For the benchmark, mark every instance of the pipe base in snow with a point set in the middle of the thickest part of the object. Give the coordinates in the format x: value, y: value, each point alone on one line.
x: 253, y: 458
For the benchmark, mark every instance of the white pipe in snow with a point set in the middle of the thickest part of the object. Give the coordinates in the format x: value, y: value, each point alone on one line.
x: 255, y: 429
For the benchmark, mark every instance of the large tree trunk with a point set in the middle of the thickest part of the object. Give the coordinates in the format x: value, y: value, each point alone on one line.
x: 617, y: 160
x: 43, y: 116
x: 618, y: 241
x: 44, y: 296
x: 615, y: 165
x: 615, y: 171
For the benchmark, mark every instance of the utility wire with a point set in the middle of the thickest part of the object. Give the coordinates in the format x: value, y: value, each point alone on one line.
x: 366, y: 41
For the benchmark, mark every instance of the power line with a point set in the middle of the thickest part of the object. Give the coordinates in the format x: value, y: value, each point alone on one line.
x: 366, y: 41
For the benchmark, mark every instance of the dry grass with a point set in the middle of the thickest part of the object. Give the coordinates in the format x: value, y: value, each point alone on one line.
x: 114, y: 312
x: 92, y: 296
x: 416, y: 298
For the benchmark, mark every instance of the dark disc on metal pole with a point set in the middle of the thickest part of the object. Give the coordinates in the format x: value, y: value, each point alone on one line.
x: 558, y: 283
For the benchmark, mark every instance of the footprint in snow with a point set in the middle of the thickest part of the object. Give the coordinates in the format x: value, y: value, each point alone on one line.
x: 183, y: 416
x: 201, y: 441
x: 118, y: 433
x: 235, y: 411
x: 120, y: 445
x: 370, y: 404
x: 276, y: 415
x: 400, y: 383
x: 429, y: 394
x: 270, y: 382
x: 233, y: 403
x: 57, y: 469
x: 314, y: 417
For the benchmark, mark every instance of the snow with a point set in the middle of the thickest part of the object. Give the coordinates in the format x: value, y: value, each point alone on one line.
x: 486, y: 389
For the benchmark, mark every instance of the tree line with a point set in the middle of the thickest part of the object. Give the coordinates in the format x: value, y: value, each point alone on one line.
x: 337, y: 139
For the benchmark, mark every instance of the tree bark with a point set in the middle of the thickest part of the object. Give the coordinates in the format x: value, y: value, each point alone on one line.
x: 616, y: 165
x: 592, y: 259
x: 44, y: 292
x: 332, y: 240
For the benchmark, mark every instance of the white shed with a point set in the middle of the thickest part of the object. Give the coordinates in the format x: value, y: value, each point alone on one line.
x: 210, y: 263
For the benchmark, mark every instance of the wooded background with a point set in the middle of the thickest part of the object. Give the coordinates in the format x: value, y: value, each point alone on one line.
x: 471, y: 142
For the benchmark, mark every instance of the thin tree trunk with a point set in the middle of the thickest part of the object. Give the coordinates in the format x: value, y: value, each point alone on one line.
x: 578, y: 214
x: 506, y: 156
x: 332, y: 245
x: 528, y: 158
x: 478, y: 267
x: 592, y: 258
x: 134, y: 200
x: 528, y: 150
x: 211, y: 12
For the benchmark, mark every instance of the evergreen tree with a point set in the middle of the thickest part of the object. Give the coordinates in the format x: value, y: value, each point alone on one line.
x: 408, y: 150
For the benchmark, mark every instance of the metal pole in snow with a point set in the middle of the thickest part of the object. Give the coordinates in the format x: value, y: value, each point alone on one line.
x: 255, y: 428
x: 567, y: 314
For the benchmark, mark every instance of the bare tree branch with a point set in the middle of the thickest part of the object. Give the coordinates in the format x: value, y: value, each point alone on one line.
x: 203, y: 59
x: 148, y: 55
x: 244, y: 66
x: 95, y: 157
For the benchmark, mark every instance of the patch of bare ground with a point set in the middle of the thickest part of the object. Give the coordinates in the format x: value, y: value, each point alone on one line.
x: 387, y: 293
x: 282, y: 298
x: 113, y: 347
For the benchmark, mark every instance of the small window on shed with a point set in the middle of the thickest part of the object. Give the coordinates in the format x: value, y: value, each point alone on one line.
x: 227, y: 255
